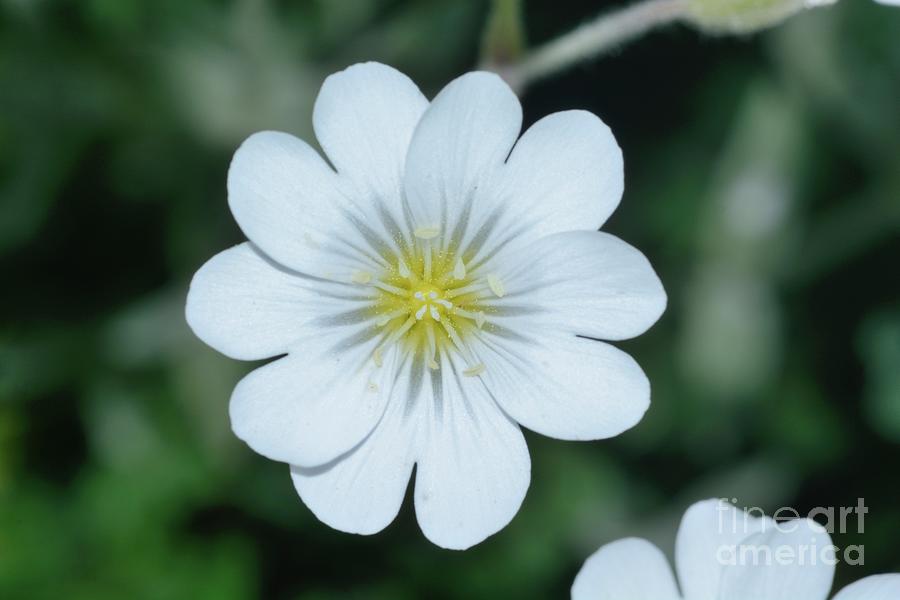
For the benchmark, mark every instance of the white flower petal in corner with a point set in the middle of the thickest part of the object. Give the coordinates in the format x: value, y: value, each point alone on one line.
x: 629, y: 569
x: 428, y: 299
x: 719, y: 560
x: 708, y: 530
x: 792, y: 560
x: 876, y: 587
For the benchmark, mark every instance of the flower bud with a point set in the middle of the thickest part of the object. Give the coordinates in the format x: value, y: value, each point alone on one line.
x: 744, y: 16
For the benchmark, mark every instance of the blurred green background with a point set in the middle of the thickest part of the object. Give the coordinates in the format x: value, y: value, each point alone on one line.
x: 763, y: 181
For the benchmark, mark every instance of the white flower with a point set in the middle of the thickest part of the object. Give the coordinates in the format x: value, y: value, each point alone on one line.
x: 427, y: 292
x: 722, y: 553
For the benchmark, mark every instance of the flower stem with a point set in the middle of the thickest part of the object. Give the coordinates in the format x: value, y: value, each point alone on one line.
x: 592, y: 39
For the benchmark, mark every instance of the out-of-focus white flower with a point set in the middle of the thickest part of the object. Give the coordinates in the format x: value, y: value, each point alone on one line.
x: 722, y: 553
x: 817, y: 3
x: 747, y: 16
x: 431, y: 291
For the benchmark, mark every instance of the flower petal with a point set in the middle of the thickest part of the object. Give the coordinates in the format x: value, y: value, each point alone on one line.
x: 587, y: 283
x: 708, y: 530
x: 876, y: 587
x: 564, y: 387
x: 291, y: 205
x: 793, y: 560
x: 361, y: 492
x: 248, y: 307
x: 474, y: 467
x: 364, y: 119
x: 628, y: 569
x: 316, y: 403
x: 565, y: 173
x: 461, y: 141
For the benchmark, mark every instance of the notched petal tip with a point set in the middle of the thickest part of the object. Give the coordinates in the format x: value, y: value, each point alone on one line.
x: 629, y: 568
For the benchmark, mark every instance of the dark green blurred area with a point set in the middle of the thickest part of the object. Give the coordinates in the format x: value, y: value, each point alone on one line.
x: 763, y: 181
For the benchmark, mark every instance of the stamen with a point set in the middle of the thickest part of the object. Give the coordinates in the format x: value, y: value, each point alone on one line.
x: 417, y: 290
x: 388, y: 317
x: 476, y: 316
x: 496, y: 285
x: 454, y: 337
x: 397, y: 333
x: 432, y: 347
x: 475, y: 371
x: 392, y: 289
x: 459, y: 270
x: 466, y: 289
x: 426, y: 233
x: 361, y: 277
x: 427, y: 273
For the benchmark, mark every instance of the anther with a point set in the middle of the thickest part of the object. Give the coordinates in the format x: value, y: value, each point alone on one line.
x: 361, y: 277
x: 476, y: 316
x: 426, y: 233
x: 475, y: 371
x: 496, y: 285
x: 388, y: 317
x: 459, y: 270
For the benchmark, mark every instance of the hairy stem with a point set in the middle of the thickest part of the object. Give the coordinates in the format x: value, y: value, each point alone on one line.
x: 591, y: 39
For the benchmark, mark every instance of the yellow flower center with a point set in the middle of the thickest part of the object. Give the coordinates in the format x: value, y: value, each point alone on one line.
x: 428, y: 300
